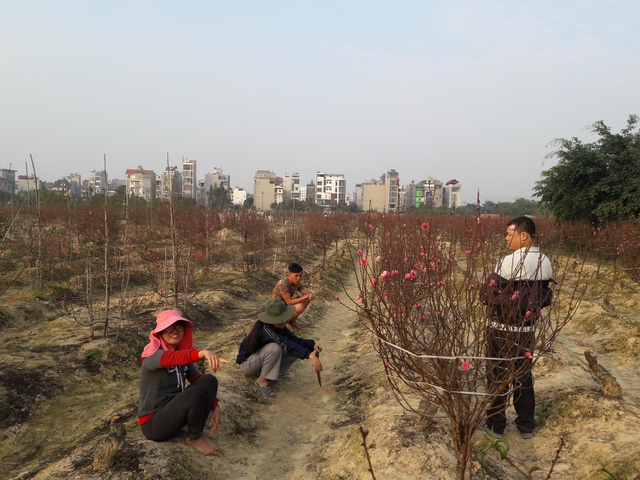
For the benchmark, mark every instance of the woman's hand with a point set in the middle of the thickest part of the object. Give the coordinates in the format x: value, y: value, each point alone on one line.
x: 212, y: 358
x: 317, y: 347
x: 214, y: 418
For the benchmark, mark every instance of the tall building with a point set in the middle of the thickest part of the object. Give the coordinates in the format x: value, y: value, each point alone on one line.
x: 291, y: 187
x: 239, y: 196
x: 310, y: 192
x: 97, y: 182
x: 384, y: 195
x: 189, y: 179
x: 358, y: 197
x: 170, y: 183
x: 7, y: 180
x: 426, y: 192
x: 201, y: 196
x: 264, y: 189
x: 75, y: 184
x: 452, y: 194
x: 141, y: 183
x: 331, y: 189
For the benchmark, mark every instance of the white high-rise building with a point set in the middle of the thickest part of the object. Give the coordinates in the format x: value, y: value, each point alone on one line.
x: 189, y: 179
x: 331, y: 189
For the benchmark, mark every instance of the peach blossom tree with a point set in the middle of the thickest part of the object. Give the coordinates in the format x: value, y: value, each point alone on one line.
x: 419, y: 281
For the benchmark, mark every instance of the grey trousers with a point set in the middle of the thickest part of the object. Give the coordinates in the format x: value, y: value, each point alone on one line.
x: 269, y: 362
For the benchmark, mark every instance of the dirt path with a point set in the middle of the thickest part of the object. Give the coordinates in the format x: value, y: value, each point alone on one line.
x: 296, y: 426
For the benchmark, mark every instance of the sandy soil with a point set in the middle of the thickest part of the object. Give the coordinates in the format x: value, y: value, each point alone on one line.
x: 309, y: 431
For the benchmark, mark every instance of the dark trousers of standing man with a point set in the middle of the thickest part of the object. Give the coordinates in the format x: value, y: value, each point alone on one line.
x: 501, y: 375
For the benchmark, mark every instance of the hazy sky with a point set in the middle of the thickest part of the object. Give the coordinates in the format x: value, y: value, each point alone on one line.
x: 472, y: 90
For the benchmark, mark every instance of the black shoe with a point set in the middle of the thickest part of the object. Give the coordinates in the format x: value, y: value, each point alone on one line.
x: 488, y: 429
x: 526, y: 435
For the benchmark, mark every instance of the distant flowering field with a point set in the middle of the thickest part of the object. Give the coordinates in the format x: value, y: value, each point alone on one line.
x: 82, y: 250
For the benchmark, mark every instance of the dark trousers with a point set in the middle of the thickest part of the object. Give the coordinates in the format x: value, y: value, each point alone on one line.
x: 502, y: 375
x: 191, y: 407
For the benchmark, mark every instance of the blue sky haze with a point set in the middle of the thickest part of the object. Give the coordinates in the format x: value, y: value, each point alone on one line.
x: 472, y: 90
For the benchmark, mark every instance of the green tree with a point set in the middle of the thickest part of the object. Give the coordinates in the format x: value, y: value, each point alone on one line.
x: 218, y: 197
x: 597, y: 182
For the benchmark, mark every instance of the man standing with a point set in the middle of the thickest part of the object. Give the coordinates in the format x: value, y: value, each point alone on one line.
x: 290, y: 286
x: 515, y: 294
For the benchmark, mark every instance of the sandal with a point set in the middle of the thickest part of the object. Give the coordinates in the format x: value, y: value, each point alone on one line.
x: 266, y: 390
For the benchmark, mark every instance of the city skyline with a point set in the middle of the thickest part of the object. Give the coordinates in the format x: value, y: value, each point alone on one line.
x: 200, y: 175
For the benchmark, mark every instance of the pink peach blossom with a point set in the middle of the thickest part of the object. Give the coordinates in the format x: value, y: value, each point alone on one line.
x: 465, y: 366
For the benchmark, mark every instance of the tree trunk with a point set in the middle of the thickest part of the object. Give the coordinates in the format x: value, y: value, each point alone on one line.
x: 610, y: 386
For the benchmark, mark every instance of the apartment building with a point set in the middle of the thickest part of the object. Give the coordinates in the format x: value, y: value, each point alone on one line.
x: 189, y: 179
x: 97, y: 183
x: 169, y: 183
x: 264, y: 190
x: 452, y: 197
x: 8, y: 180
x: 382, y: 196
x: 291, y: 187
x: 141, y: 183
x: 239, y: 196
x: 27, y: 183
x: 75, y: 179
x: 330, y: 189
x: 427, y: 192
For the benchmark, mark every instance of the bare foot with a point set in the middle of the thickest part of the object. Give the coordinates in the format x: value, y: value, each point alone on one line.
x: 203, y: 445
x: 294, y: 324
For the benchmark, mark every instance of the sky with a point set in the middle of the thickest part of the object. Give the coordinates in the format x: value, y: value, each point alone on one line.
x: 471, y: 90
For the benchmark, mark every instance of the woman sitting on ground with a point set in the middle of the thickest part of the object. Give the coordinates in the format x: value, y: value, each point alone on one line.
x: 270, y: 348
x: 166, y: 403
